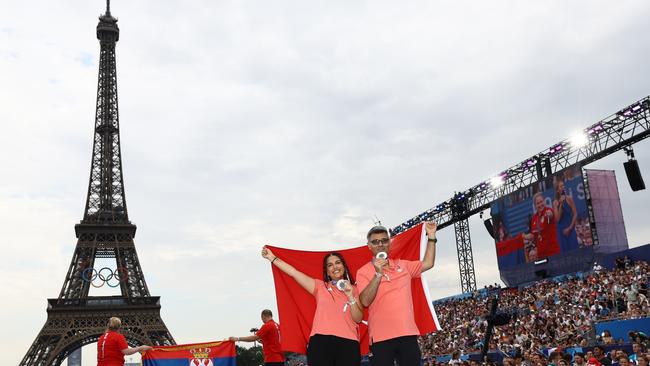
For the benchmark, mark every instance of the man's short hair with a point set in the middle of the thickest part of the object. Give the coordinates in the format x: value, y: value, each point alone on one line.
x: 267, y: 313
x: 555, y: 354
x: 376, y: 230
x: 601, y: 348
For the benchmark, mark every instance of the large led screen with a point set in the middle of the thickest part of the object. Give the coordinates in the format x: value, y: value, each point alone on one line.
x: 546, y: 219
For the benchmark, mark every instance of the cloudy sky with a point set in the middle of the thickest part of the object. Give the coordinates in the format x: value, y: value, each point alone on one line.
x: 291, y: 123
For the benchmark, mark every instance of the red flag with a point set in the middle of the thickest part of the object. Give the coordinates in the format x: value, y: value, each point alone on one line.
x: 296, y: 306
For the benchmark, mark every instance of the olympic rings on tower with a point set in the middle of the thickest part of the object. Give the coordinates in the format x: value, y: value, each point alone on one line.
x: 104, y: 276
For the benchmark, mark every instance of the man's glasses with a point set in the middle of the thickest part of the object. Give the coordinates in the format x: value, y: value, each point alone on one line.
x: 379, y: 241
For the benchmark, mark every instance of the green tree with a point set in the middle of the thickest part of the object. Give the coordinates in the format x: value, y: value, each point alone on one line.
x: 249, y: 356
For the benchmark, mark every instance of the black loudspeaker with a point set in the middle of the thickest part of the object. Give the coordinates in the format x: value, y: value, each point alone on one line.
x: 541, y: 273
x: 548, y: 167
x: 538, y: 167
x: 488, y: 227
x: 634, y: 175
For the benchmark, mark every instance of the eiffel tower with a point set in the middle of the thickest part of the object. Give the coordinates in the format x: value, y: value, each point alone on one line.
x: 75, y: 319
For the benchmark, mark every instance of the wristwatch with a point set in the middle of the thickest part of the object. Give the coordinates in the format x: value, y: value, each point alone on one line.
x: 434, y: 240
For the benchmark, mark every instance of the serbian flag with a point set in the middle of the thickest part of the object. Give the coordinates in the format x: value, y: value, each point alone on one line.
x: 296, y: 306
x: 197, y: 354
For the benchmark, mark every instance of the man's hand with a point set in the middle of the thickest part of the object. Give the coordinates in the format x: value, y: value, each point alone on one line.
x: 379, y: 264
x: 430, y: 255
x: 431, y: 228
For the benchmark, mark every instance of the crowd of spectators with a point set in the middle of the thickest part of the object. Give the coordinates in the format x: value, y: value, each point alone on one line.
x: 546, y: 314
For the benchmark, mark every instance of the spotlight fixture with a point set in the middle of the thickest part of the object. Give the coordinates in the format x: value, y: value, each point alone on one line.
x: 578, y: 140
x: 555, y: 149
x: 497, y: 181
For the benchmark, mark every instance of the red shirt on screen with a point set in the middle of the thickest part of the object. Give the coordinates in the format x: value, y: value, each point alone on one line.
x: 109, y: 349
x: 545, y: 231
x: 270, y: 336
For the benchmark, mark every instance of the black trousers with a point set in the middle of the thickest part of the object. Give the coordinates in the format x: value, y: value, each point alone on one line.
x: 405, y: 350
x: 329, y: 350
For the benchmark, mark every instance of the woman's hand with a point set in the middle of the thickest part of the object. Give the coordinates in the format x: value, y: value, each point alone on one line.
x: 347, y: 287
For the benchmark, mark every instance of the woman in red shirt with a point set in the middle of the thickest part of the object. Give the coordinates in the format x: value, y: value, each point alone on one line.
x: 543, y: 229
x: 334, y: 338
x: 112, y: 346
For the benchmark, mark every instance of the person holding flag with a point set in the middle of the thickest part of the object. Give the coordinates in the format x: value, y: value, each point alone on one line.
x: 385, y: 285
x: 112, y: 346
x: 269, y: 336
x: 334, y: 338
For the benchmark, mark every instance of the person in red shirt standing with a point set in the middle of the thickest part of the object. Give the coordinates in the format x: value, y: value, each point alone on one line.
x: 112, y: 346
x: 543, y: 229
x: 269, y: 336
x: 385, y: 285
x: 334, y: 337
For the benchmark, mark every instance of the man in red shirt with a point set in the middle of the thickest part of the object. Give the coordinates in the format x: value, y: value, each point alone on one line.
x: 112, y: 346
x: 385, y: 285
x: 269, y: 336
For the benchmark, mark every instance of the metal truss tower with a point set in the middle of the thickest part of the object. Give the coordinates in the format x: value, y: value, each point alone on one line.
x: 75, y: 319
x: 464, y: 247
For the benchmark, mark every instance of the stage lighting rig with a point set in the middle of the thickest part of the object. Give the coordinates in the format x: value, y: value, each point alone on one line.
x: 609, y: 135
x: 498, y: 181
x: 578, y: 140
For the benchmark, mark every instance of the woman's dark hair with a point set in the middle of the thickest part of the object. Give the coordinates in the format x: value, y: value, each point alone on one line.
x: 347, y: 275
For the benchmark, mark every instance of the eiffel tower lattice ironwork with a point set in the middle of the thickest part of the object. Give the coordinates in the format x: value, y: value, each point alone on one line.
x: 75, y: 319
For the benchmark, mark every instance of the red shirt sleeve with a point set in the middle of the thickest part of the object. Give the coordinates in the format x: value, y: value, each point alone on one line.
x: 317, y: 283
x: 263, y: 330
x: 121, y: 343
